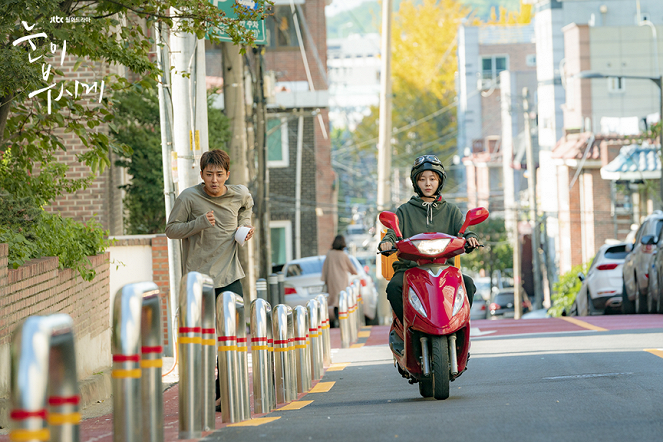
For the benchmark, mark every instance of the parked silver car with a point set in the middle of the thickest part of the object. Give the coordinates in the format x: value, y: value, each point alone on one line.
x: 638, y: 262
x: 303, y: 282
x: 602, y: 286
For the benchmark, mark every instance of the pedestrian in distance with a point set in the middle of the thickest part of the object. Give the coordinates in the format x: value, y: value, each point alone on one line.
x: 206, y: 218
x: 335, y: 272
x: 427, y: 211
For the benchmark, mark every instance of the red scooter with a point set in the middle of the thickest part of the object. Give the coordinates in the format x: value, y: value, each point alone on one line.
x: 435, y: 335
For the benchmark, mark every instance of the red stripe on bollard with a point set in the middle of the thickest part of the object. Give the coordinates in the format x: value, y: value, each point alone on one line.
x: 313, y: 330
x: 209, y: 331
x: 281, y: 341
x: 126, y: 358
x: 226, y: 338
x: 300, y: 339
x: 155, y: 349
x: 258, y: 339
x: 189, y: 329
x: 241, y: 339
x: 19, y: 415
x: 63, y: 400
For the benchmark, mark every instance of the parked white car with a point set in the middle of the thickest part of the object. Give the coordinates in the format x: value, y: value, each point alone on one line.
x: 602, y: 286
x: 303, y: 282
x: 479, y: 308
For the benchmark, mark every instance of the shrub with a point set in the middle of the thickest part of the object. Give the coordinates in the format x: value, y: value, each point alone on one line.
x: 566, y: 289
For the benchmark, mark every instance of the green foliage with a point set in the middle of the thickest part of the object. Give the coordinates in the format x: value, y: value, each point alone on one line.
x: 497, y: 253
x: 32, y: 233
x: 137, y: 126
x: 566, y: 289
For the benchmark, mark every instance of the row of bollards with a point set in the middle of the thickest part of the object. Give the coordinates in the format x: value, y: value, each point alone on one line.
x: 350, y: 314
x: 289, y: 347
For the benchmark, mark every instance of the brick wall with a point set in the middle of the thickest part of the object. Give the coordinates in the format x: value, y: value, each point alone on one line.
x: 161, y: 278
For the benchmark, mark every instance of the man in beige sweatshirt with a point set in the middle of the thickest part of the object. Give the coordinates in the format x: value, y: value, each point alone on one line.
x: 205, y: 217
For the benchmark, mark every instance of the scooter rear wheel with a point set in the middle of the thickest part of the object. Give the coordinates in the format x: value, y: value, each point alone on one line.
x: 440, y: 367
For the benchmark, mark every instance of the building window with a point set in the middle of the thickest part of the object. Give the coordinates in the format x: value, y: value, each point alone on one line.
x: 281, y: 31
x: 616, y: 85
x: 491, y: 66
x: 530, y: 60
x: 277, y: 142
x: 281, y: 235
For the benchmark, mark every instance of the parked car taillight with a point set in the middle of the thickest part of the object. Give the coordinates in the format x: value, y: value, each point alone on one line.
x: 483, y: 307
x: 494, y: 306
x: 607, y: 267
x: 648, y: 248
x: 363, y: 282
x: 290, y: 291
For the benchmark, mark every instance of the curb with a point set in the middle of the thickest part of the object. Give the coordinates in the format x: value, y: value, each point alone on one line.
x: 93, y: 389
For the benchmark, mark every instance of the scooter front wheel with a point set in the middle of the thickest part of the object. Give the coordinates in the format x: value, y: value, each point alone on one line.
x: 440, y: 367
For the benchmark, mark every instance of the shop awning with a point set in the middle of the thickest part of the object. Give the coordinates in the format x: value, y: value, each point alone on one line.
x: 634, y: 162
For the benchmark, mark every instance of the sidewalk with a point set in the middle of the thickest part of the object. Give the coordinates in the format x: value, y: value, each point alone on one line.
x: 97, y: 424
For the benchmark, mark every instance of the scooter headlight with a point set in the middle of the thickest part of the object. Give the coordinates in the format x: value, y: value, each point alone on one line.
x: 431, y: 246
x: 416, y: 303
x: 458, y: 300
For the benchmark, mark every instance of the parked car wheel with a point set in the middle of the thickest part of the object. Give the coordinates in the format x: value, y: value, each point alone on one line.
x: 651, y: 297
x: 590, y: 305
x: 373, y: 321
x: 628, y: 306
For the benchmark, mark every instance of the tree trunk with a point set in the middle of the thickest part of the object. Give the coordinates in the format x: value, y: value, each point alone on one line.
x: 5, y: 106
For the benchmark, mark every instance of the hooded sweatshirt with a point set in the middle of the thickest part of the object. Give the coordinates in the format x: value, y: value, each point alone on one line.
x: 418, y: 216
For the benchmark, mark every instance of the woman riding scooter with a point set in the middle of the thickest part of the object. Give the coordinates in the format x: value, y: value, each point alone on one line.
x: 425, y: 212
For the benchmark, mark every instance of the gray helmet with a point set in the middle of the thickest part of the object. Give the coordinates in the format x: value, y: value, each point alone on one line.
x: 427, y: 162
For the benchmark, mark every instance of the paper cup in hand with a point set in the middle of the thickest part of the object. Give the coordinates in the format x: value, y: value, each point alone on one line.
x: 240, y: 234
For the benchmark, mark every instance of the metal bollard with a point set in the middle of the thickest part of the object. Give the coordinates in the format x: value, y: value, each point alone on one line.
x: 263, y: 384
x: 343, y: 320
x: 316, y: 347
x: 325, y: 337
x: 302, y: 358
x: 43, y: 370
x: 208, y: 348
x: 242, y: 361
x: 361, y: 319
x: 189, y: 346
x: 281, y: 280
x: 151, y: 364
x: 126, y: 343
x: 281, y: 354
x: 292, y: 358
x: 352, y: 313
x: 261, y: 289
x: 273, y: 289
x: 226, y: 326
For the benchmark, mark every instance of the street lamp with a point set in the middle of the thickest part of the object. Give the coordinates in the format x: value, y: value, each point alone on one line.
x: 659, y: 82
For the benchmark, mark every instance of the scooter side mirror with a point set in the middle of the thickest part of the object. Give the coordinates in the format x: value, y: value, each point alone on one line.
x: 390, y: 220
x: 473, y: 217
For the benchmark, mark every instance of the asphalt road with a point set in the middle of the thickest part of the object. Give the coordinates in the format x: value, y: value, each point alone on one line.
x: 568, y: 386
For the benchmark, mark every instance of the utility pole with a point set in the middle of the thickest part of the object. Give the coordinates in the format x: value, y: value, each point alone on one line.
x: 517, y: 279
x: 234, y: 99
x: 531, y: 185
x: 384, y: 145
x: 262, y: 191
x: 166, y: 121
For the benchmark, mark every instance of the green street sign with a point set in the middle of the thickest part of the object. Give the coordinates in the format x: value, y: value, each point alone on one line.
x: 257, y: 27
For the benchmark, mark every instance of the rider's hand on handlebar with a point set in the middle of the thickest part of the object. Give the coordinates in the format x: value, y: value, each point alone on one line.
x: 472, y: 242
x: 386, y: 246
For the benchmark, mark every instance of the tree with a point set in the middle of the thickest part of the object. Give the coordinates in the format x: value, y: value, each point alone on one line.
x: 423, y: 66
x: 105, y: 31
x: 497, y: 253
x: 137, y: 124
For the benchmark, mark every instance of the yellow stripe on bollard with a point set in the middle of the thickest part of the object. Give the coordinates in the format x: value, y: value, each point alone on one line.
x: 208, y: 342
x: 242, y: 348
x: 151, y: 363
x: 281, y: 349
x: 26, y: 435
x: 227, y: 347
x: 64, y: 419
x: 301, y: 346
x: 260, y: 347
x: 342, y: 316
x: 187, y: 340
x: 118, y: 374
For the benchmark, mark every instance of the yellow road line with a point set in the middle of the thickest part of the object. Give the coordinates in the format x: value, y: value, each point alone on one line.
x: 582, y: 324
x: 655, y: 351
x: 356, y: 345
x: 322, y: 387
x: 295, y: 405
x: 255, y: 422
x: 337, y: 367
x: 364, y: 334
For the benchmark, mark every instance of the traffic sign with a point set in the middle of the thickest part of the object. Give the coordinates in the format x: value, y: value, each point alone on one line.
x: 255, y: 26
